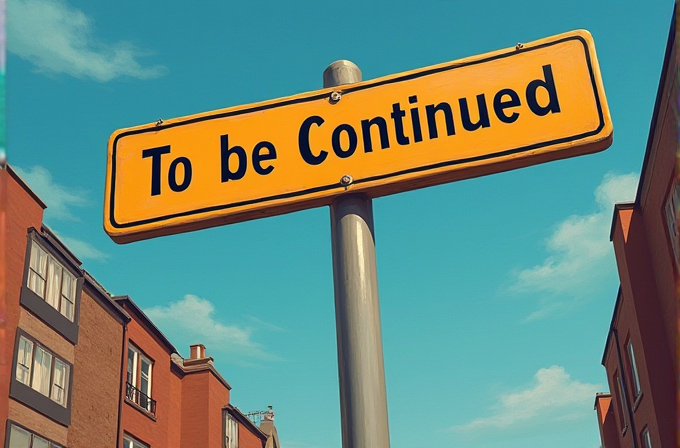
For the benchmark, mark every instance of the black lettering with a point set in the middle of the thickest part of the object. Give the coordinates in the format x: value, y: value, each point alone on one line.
x: 303, y: 141
x: 172, y: 174
x: 337, y: 148
x: 415, y: 120
x: 483, y: 121
x: 258, y: 157
x: 397, y: 115
x: 155, y: 154
x: 226, y: 153
x: 499, y: 105
x: 549, y: 85
x: 366, y: 133
x: 431, y: 110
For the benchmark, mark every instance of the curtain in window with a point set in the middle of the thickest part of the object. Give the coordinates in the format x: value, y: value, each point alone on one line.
x: 68, y: 292
x: 52, y: 295
x: 38, y: 272
x: 41, y: 371
x: 60, y: 382
x: 24, y: 358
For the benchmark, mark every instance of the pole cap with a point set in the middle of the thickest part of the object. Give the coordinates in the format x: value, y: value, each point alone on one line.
x: 341, y: 72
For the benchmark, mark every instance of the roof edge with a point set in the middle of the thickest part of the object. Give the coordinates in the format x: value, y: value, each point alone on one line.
x: 25, y: 186
x: 240, y: 416
x: 145, y: 320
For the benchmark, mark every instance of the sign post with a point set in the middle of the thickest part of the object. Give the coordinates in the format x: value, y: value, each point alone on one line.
x: 363, y: 398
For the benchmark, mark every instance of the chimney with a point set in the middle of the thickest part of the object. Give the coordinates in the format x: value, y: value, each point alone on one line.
x: 197, y: 351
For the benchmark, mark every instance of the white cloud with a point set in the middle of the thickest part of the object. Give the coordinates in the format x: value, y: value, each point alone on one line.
x: 193, y: 318
x: 58, y: 38
x: 83, y: 249
x: 58, y: 198
x: 580, y: 253
x: 553, y: 397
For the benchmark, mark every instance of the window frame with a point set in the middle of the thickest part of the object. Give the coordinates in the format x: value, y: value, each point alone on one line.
x: 646, y: 438
x: 8, y: 429
x: 670, y: 220
x: 622, y: 405
x: 134, y: 441
x: 228, y: 441
x: 33, y: 398
x: 636, y: 386
x: 37, y: 303
x: 138, y: 357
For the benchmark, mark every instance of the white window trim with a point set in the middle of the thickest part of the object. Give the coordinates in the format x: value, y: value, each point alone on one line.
x: 137, y: 358
x: 633, y: 365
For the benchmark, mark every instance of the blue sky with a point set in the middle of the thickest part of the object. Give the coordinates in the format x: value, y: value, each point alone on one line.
x: 496, y: 293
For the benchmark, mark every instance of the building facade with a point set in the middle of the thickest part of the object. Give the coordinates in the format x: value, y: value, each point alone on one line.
x: 640, y: 354
x: 58, y: 390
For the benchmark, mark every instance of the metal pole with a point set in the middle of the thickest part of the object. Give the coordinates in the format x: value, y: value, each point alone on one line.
x: 363, y: 398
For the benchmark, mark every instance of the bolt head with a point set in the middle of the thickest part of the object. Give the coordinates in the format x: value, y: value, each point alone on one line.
x: 346, y: 180
x: 335, y: 96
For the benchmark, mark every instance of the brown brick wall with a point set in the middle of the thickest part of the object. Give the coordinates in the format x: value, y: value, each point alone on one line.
x: 37, y: 422
x: 18, y: 212
x: 97, y: 377
x: 46, y: 335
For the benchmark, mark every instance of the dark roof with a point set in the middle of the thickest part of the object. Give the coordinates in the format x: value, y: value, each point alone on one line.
x: 25, y: 186
x: 245, y: 421
x: 657, y: 104
x: 126, y: 300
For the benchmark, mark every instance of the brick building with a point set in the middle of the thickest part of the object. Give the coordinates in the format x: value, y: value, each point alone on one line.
x: 640, y: 354
x: 56, y: 388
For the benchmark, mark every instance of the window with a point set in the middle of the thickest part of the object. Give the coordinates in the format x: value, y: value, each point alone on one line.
x: 633, y: 370
x: 51, y: 281
x: 22, y: 438
x: 646, y: 438
x: 139, y: 369
x: 40, y: 370
x: 230, y: 431
x: 623, y: 409
x: 129, y: 442
x: 671, y: 209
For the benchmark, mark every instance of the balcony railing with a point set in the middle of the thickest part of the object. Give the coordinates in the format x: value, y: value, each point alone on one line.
x: 140, y: 398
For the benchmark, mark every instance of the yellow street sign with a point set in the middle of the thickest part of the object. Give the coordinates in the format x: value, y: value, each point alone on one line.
x: 494, y: 112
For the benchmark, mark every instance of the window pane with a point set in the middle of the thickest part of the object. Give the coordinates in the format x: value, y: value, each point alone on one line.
x: 39, y: 442
x: 68, y: 291
x: 38, y: 260
x: 41, y: 372
x: 60, y: 382
x: 633, y: 365
x: 53, y: 293
x: 145, y: 383
x: 19, y: 438
x: 132, y: 367
x: 36, y: 284
x: 24, y: 358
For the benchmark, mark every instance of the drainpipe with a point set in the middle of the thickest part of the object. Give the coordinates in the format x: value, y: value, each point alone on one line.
x: 120, y: 391
x: 622, y: 377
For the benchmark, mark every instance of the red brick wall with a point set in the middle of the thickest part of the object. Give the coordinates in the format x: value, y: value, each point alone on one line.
x: 18, y: 212
x: 195, y: 389
x: 97, y: 377
x: 164, y: 384
x: 247, y: 439
x: 219, y: 398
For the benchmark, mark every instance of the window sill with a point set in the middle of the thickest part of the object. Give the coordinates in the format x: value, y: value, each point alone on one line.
x: 637, y: 402
x: 140, y: 409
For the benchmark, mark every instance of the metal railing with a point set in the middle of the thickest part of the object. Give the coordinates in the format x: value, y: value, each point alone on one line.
x: 140, y: 398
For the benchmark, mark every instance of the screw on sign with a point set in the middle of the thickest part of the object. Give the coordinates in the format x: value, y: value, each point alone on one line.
x: 528, y: 104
